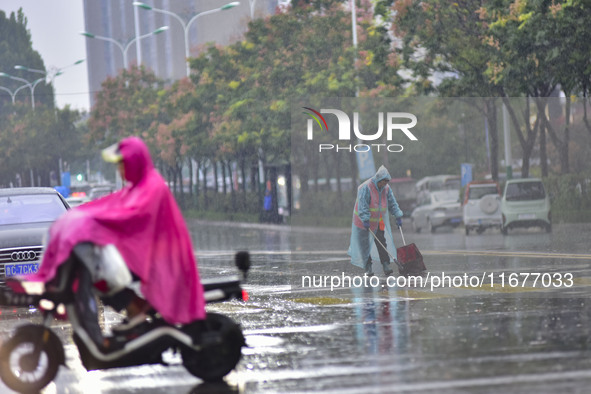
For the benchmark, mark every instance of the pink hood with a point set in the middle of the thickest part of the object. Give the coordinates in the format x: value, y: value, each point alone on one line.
x: 144, y: 222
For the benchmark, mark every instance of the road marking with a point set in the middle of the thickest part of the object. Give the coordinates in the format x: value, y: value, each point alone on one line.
x: 292, y: 330
x: 545, y: 255
x: 509, y: 254
x: 395, y: 385
x: 538, y: 378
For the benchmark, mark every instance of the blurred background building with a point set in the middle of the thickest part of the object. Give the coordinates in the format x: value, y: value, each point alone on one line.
x: 164, y: 53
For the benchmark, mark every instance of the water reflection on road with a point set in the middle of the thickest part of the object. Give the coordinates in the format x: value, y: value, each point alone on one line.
x: 391, y: 339
x: 385, y: 339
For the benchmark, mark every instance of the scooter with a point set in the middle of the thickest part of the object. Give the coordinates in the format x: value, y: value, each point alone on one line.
x: 30, y: 359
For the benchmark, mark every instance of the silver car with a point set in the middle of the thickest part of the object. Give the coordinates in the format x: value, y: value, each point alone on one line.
x: 25, y: 215
x: 437, y: 209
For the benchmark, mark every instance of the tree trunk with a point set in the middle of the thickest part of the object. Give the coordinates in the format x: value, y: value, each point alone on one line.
x: 232, y: 191
x: 526, y: 141
x: 315, y: 166
x: 215, y: 178
x: 253, y: 177
x: 179, y: 171
x: 491, y: 115
x: 339, y: 186
x: 564, y: 162
x: 543, y: 154
x: 224, y: 187
x: 243, y: 186
x: 197, y: 184
x: 243, y: 174
x: 585, y: 118
x: 205, y: 194
x: 190, y: 162
x: 289, y: 185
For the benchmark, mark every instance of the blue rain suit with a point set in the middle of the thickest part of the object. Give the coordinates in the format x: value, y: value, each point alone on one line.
x: 362, y: 244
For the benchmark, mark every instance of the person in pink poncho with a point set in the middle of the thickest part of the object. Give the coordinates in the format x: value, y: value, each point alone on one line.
x: 145, y: 224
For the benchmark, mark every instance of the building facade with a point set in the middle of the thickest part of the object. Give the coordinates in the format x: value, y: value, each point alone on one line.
x: 163, y: 53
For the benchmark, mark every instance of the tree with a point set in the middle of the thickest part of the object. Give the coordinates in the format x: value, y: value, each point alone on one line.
x: 445, y: 51
x: 543, y: 46
x: 35, y: 141
x: 126, y: 105
x: 16, y: 48
x: 245, y: 90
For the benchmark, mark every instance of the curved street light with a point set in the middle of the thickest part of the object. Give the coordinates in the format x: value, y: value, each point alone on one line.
x: 121, y: 46
x: 54, y: 73
x: 188, y: 24
x: 13, y: 94
x: 49, y: 75
x: 31, y: 85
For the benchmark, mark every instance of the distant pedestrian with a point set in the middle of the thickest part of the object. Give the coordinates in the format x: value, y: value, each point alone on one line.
x: 267, y: 206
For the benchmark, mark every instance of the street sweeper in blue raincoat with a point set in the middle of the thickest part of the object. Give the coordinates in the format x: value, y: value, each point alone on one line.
x: 375, y: 202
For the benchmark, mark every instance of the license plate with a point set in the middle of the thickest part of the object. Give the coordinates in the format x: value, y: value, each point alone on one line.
x: 20, y: 269
x: 526, y: 216
x: 455, y: 220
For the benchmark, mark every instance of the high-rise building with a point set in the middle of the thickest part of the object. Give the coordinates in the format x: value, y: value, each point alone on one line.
x: 163, y: 53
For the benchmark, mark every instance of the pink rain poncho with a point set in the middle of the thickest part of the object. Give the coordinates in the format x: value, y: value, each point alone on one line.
x: 145, y: 224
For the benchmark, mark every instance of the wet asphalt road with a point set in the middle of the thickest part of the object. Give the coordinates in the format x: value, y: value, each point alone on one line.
x: 502, y: 335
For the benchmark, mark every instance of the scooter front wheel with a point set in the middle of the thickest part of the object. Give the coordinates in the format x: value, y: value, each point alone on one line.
x: 222, y: 348
x: 30, y: 359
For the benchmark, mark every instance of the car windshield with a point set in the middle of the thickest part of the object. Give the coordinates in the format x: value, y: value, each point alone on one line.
x: 31, y: 208
x: 476, y: 193
x: 403, y: 190
x: 452, y: 184
x: 445, y: 195
x: 525, y: 191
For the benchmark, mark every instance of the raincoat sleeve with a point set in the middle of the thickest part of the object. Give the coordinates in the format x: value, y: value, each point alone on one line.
x: 363, y: 200
x: 393, y: 205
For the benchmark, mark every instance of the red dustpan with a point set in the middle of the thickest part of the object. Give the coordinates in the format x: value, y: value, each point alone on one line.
x: 410, y: 259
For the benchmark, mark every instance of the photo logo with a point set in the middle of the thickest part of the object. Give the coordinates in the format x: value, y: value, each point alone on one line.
x: 315, y: 116
x: 392, y: 122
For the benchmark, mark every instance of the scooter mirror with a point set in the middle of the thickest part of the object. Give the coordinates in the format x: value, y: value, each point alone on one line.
x: 242, y: 260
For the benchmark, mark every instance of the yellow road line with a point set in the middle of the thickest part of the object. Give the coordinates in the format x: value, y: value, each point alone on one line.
x: 509, y: 254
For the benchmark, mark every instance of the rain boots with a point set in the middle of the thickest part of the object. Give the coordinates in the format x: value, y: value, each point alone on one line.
x: 385, y: 265
x: 387, y: 270
x: 368, y: 267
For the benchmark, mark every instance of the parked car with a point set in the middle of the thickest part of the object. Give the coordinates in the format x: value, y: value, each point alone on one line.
x: 525, y: 203
x: 437, y: 209
x: 481, y: 207
x: 25, y: 216
x: 434, y: 183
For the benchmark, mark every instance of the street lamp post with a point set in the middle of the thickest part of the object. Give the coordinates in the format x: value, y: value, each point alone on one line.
x: 13, y: 94
x: 124, y: 47
x: 49, y: 75
x: 187, y: 25
x: 30, y: 85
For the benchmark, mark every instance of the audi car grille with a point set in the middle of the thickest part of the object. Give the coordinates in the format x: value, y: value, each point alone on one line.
x: 27, y: 254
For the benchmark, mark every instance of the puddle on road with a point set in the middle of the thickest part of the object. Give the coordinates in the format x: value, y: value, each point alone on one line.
x: 256, y: 341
